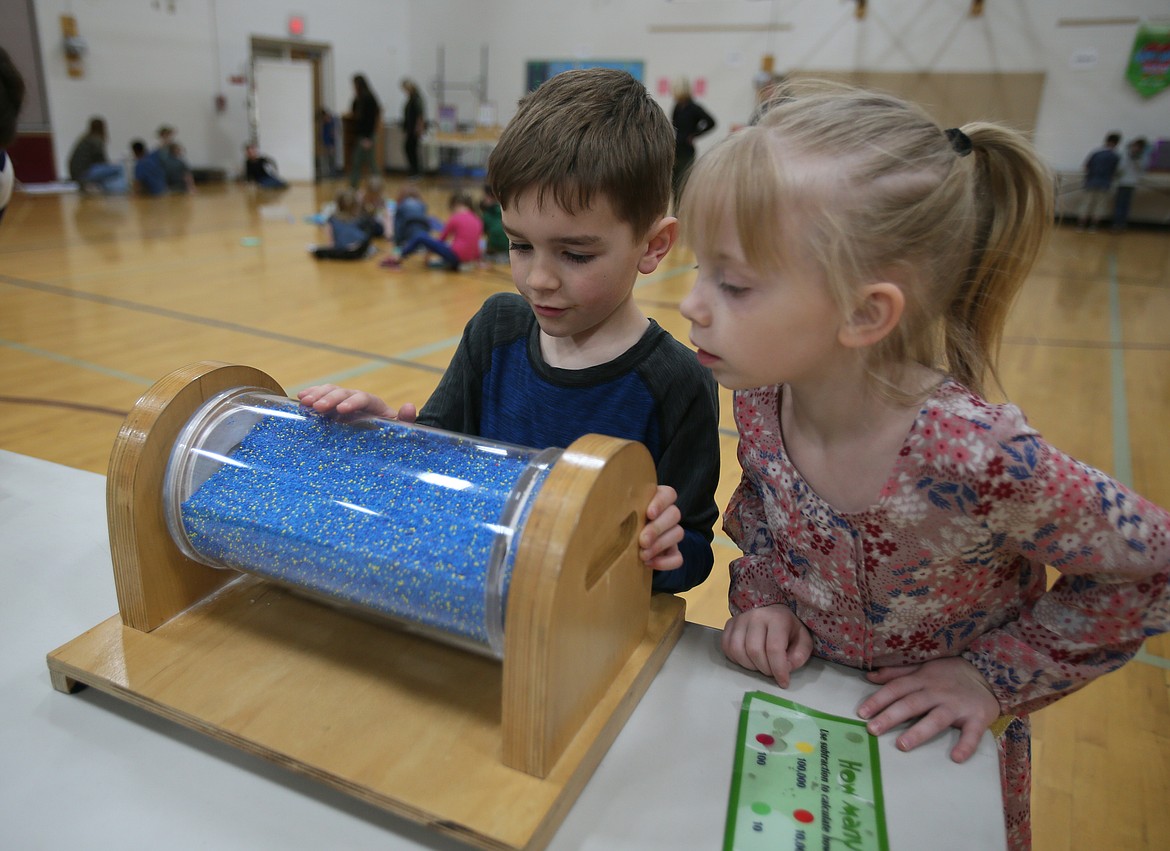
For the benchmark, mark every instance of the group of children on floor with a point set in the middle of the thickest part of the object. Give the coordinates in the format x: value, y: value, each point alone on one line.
x: 155, y: 171
x: 855, y: 267
x: 473, y: 232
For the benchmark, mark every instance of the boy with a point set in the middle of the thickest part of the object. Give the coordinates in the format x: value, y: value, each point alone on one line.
x: 260, y: 169
x: 170, y: 154
x: 150, y: 178
x: 583, y: 174
x: 1100, y: 168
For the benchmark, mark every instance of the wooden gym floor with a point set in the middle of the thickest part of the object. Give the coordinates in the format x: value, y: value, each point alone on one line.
x: 99, y: 297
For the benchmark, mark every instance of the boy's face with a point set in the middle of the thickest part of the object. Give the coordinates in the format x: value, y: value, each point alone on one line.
x: 577, y: 271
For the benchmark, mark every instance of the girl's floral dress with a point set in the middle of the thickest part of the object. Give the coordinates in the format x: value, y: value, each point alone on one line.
x: 950, y: 560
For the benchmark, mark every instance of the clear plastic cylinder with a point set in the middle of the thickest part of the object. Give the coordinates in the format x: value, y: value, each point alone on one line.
x: 405, y: 522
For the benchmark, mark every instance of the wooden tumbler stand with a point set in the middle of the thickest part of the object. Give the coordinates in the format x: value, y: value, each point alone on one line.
x: 491, y: 753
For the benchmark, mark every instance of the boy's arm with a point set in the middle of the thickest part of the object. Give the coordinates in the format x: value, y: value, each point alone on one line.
x: 457, y: 403
x: 690, y: 464
x: 698, y: 559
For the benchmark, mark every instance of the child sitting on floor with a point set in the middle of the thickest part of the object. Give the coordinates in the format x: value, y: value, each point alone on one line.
x: 260, y: 169
x: 372, y: 202
x: 492, y: 213
x: 410, y: 216
x: 349, y: 239
x: 456, y: 244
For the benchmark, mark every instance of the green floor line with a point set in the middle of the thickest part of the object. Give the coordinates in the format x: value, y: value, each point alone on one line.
x: 342, y: 376
x: 211, y: 322
x: 659, y: 277
x: 77, y: 362
x: 1148, y: 658
x: 1122, y: 459
x: 429, y: 349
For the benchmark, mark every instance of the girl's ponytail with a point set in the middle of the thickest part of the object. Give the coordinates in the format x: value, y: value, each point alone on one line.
x: 1014, y: 205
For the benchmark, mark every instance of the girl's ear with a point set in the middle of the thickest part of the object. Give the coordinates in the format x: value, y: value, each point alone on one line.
x: 659, y: 240
x: 878, y: 310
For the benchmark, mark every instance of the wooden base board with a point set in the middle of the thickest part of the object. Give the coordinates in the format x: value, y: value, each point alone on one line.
x: 397, y: 720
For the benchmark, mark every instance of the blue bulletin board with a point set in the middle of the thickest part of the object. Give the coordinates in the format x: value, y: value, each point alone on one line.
x: 539, y: 70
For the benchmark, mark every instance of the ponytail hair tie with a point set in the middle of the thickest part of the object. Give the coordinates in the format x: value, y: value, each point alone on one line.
x: 959, y: 140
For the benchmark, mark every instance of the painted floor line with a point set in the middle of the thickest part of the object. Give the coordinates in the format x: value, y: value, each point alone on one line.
x: 1122, y: 457
x: 660, y: 277
x: 342, y: 376
x: 77, y: 362
x: 1148, y: 658
x: 209, y: 322
x: 429, y: 349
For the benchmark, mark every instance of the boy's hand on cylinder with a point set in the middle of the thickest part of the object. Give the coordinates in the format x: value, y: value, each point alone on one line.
x: 940, y: 693
x: 345, y: 403
x: 660, y: 537
x: 769, y: 639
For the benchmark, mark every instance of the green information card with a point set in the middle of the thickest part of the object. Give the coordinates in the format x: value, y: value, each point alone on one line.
x: 803, y: 780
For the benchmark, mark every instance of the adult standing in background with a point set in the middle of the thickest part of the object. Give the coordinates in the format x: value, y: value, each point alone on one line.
x: 11, y: 98
x: 366, y: 113
x: 90, y: 167
x: 690, y: 122
x: 414, y: 124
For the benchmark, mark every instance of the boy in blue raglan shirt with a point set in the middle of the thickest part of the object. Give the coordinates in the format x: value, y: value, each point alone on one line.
x: 583, y: 174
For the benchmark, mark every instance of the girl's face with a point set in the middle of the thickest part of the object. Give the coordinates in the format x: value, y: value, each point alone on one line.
x: 755, y: 329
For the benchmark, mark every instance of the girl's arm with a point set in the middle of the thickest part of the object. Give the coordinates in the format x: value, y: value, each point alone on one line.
x: 1112, y: 548
x: 752, y: 581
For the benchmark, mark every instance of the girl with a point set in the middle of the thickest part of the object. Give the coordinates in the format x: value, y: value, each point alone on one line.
x: 855, y: 267
x: 349, y: 240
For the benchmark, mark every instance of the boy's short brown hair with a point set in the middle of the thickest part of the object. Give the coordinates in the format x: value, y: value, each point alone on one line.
x: 585, y: 132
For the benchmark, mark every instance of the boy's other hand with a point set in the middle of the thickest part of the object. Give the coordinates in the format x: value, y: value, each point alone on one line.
x: 329, y: 398
x: 658, y: 543
x: 769, y: 639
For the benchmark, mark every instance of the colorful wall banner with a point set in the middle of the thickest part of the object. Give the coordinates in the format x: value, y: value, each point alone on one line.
x: 1149, y: 63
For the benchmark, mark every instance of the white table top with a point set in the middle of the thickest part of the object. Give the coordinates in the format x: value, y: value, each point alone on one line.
x: 89, y: 771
